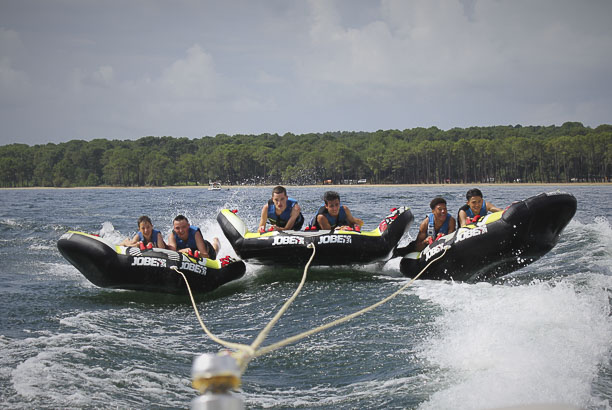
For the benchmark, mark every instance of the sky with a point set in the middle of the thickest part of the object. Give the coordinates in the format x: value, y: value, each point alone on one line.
x: 125, y: 69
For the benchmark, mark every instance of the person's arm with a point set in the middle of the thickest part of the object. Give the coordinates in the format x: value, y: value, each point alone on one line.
x: 263, y: 219
x: 462, y: 218
x: 421, y: 239
x: 295, y: 212
x: 323, y: 222
x: 171, y: 241
x: 160, y: 241
x: 133, y: 242
x: 492, y: 208
x: 201, y: 245
x: 452, y: 225
x: 351, y: 219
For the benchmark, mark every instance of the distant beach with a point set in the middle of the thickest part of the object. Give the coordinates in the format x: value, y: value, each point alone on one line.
x: 331, y: 186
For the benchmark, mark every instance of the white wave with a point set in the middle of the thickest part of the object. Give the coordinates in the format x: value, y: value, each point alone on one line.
x: 602, y: 229
x: 346, y: 396
x: 498, y: 346
x: 86, y: 358
x: 14, y: 223
x: 41, y: 246
x: 586, y: 247
x: 109, y: 234
x: 211, y: 229
x: 46, y: 270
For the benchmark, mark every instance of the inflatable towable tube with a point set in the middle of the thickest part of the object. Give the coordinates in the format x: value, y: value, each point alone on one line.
x: 498, y: 244
x: 120, y: 267
x: 333, y: 247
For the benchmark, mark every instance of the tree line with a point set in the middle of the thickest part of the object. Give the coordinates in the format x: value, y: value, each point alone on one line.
x: 548, y: 154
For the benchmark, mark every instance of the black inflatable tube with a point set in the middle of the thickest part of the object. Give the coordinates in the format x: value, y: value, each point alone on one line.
x: 148, y: 270
x: 499, y: 244
x: 290, y: 248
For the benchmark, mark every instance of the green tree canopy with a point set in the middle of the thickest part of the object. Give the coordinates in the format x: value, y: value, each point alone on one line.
x: 566, y: 153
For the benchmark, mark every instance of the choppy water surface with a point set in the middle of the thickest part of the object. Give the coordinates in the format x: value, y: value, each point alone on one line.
x: 541, y: 335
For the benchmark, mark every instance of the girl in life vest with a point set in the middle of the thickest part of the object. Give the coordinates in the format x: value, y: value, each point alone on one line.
x: 475, y: 208
x: 438, y: 223
x: 147, y: 237
x: 333, y: 215
x: 282, y: 212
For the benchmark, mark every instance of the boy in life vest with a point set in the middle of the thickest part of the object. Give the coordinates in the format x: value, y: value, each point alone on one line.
x: 333, y: 215
x: 282, y: 212
x: 475, y: 208
x: 437, y: 223
x: 188, y: 239
x: 147, y: 237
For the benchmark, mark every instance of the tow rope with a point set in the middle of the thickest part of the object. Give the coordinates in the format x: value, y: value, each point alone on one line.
x: 245, y: 353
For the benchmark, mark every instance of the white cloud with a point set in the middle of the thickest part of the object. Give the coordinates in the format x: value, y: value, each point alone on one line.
x: 264, y: 77
x: 484, y: 53
x: 14, y: 83
x: 10, y: 42
x: 104, y: 75
x: 298, y: 67
x: 187, y: 98
x: 241, y: 105
x: 191, y: 77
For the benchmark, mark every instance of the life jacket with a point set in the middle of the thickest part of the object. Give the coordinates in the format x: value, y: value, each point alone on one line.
x: 153, y: 237
x: 470, y: 213
x: 282, y: 219
x: 340, y: 220
x: 431, y: 232
x: 190, y: 242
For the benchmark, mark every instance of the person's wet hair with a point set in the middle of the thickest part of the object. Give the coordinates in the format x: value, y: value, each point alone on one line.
x: 331, y: 196
x: 473, y: 192
x: 181, y: 218
x: 279, y: 190
x: 437, y: 200
x: 144, y: 218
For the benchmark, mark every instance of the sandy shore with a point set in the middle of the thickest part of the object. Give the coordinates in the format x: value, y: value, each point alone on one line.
x: 328, y: 186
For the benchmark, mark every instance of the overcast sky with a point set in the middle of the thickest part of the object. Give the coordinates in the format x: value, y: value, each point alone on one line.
x: 82, y: 69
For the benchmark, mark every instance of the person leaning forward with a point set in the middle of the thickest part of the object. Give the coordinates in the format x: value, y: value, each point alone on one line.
x: 187, y: 238
x: 333, y: 215
x: 436, y: 224
x: 282, y: 212
x: 475, y: 208
x: 147, y: 237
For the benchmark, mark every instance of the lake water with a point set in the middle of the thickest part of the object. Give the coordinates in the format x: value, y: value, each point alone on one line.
x: 543, y: 334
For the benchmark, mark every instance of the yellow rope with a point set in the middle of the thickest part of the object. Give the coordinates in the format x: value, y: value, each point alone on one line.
x: 346, y: 318
x: 230, y: 345
x: 247, y: 352
x: 264, y: 333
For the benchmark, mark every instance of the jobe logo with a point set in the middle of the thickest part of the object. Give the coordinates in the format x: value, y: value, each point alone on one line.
x: 148, y: 261
x: 468, y: 233
x: 288, y: 240
x: 335, y: 239
x: 193, y: 267
x: 433, y: 251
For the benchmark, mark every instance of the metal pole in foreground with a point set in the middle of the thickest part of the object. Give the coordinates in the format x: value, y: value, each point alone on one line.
x: 215, y: 375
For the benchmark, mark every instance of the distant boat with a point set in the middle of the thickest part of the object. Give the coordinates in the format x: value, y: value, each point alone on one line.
x: 214, y: 186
